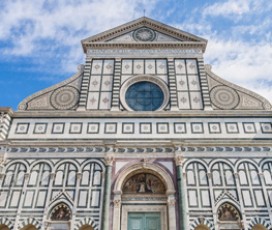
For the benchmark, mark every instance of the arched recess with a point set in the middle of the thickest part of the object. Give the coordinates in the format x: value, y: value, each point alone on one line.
x: 259, y: 227
x: 59, y: 217
x: 228, y: 217
x: 4, y: 227
x: 160, y: 201
x: 29, y: 227
x: 202, y: 227
x: 86, y: 227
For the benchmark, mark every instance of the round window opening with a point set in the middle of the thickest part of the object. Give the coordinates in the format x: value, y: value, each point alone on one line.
x: 144, y: 96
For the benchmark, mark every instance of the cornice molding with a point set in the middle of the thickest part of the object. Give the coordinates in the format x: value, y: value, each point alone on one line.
x: 102, y: 149
x: 142, y: 22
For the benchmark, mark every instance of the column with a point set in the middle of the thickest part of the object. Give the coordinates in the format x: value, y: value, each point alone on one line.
x: 107, y: 192
x: 181, y: 193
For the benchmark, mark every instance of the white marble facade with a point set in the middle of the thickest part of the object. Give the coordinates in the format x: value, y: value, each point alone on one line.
x: 80, y: 156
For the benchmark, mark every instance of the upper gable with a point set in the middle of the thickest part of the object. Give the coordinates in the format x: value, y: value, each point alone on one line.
x: 144, y: 32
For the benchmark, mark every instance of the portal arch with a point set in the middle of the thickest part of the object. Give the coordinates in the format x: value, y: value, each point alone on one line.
x: 152, y: 188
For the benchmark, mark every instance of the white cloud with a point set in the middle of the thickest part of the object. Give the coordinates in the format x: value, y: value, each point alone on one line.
x: 30, y: 27
x: 246, y: 64
x: 227, y: 8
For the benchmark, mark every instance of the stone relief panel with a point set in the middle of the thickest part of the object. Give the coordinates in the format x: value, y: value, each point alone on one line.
x: 228, y: 96
x: 143, y: 183
x: 132, y: 67
x: 143, y: 34
x: 188, y: 84
x: 196, y: 128
x: 100, y: 85
x: 62, y: 96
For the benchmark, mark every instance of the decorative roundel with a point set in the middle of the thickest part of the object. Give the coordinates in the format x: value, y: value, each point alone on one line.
x: 144, y: 35
x: 65, y: 98
x: 144, y: 93
x: 224, y: 97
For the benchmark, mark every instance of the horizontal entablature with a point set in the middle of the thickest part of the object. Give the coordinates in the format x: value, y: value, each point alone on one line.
x: 140, y: 128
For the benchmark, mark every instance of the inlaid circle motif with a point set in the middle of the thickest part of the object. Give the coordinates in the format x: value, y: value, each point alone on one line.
x: 65, y: 98
x: 144, y: 35
x: 224, y: 97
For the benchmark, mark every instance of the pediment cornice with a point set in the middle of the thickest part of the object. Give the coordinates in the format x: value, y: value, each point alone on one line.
x: 184, y: 38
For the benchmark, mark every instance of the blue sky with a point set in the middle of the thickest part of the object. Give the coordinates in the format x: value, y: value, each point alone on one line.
x: 40, y: 40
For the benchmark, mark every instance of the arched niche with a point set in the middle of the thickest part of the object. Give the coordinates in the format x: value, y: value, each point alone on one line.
x: 4, y: 227
x: 259, y: 227
x: 229, y: 217
x: 143, y: 183
x: 59, y: 217
x: 29, y: 227
x: 152, y: 188
x: 86, y: 227
x: 201, y: 227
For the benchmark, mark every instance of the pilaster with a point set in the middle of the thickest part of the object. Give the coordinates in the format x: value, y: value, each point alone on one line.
x: 172, y: 85
x: 85, y: 85
x: 181, y: 192
x: 204, y: 85
x: 109, y: 159
x: 115, y: 106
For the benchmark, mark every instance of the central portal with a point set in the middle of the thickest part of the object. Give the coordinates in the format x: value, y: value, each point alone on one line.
x: 144, y: 221
x: 144, y: 198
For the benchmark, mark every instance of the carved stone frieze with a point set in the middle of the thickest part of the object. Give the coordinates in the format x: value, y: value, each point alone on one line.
x: 100, y: 149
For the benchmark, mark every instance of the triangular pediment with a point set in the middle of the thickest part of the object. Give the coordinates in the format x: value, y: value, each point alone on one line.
x: 144, y: 31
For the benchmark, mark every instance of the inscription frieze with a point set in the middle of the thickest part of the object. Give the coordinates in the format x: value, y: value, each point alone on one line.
x: 136, y: 52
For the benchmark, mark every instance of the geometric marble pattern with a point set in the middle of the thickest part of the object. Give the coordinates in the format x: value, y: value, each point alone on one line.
x: 105, y: 128
x: 188, y: 84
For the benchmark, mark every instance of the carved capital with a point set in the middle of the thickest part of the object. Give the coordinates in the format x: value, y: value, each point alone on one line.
x: 209, y: 175
x: 171, y: 201
x: 52, y: 176
x: 179, y: 159
x: 236, y: 175
x: 79, y: 176
x: 27, y: 175
x: 109, y: 159
x: 117, y: 203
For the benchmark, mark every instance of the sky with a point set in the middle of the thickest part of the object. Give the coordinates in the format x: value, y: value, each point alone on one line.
x: 40, y: 39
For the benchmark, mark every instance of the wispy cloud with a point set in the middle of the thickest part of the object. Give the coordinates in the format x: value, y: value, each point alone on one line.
x: 48, y: 25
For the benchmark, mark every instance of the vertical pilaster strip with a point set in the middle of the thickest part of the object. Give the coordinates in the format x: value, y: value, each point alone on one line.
x: 5, y: 121
x: 115, y: 106
x: 107, y: 193
x: 85, y: 85
x: 22, y: 199
x: 204, y: 85
x: 182, y: 209
x: 172, y: 84
x: 268, y: 207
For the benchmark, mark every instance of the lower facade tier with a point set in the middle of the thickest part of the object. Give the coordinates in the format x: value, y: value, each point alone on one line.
x: 156, y: 188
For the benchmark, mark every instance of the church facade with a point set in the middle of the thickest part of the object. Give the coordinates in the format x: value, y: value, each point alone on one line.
x: 143, y: 137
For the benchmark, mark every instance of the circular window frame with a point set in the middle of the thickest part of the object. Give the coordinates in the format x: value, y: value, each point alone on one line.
x: 136, y: 79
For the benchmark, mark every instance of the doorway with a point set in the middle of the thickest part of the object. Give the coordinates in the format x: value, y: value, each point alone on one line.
x: 144, y: 221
